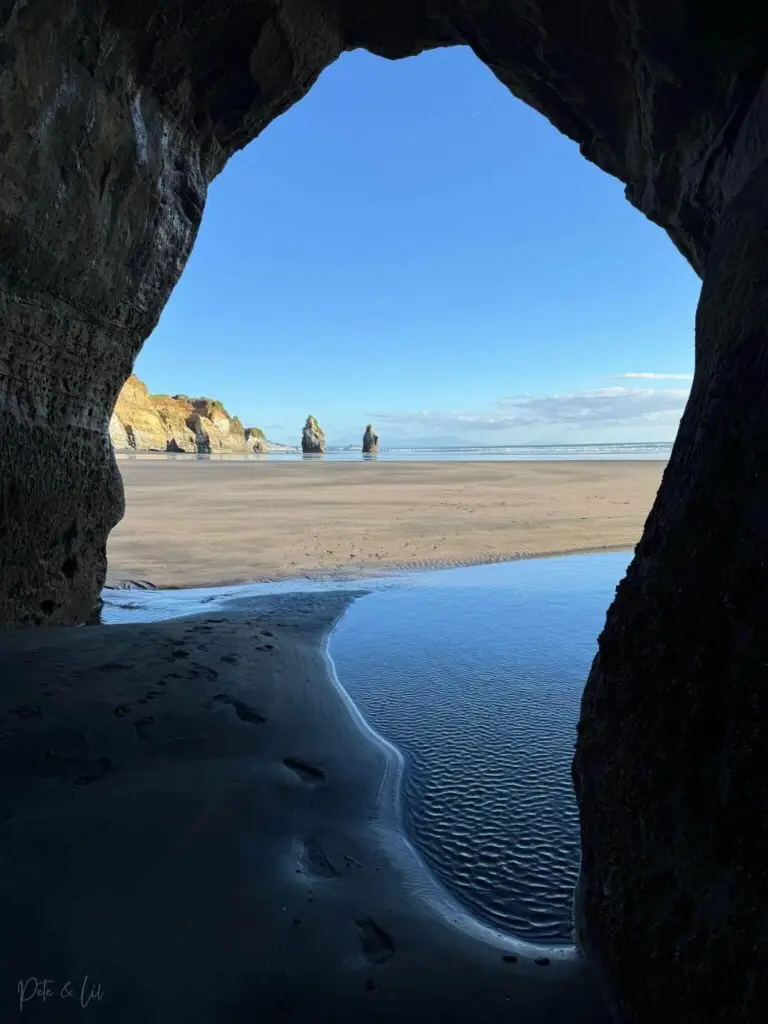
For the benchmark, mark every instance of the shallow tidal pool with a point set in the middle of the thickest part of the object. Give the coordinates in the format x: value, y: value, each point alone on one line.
x: 475, y: 674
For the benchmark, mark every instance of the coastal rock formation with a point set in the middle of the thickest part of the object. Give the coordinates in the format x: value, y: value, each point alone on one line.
x: 256, y: 440
x: 118, y: 434
x: 215, y: 431
x: 177, y: 423
x: 115, y: 117
x: 144, y: 422
x: 312, y: 437
x: 370, y: 441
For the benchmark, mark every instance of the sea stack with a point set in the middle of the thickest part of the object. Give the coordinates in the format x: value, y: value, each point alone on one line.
x: 312, y: 437
x: 256, y: 440
x: 370, y: 441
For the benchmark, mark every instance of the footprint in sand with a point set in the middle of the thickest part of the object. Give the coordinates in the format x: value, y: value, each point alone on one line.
x: 103, y: 767
x: 115, y: 666
x: 307, y: 772
x: 377, y: 944
x: 167, y: 676
x: 314, y: 861
x: 149, y: 695
x: 198, y: 671
x: 243, y: 711
x: 143, y: 727
x: 27, y: 711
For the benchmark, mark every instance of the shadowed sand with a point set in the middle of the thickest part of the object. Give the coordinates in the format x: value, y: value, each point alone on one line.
x: 195, y: 522
x: 195, y: 819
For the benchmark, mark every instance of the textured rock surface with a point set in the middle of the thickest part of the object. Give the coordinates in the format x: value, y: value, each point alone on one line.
x: 118, y: 434
x: 370, y: 441
x: 256, y: 439
x: 312, y: 437
x: 114, y: 117
x: 144, y: 422
x: 670, y: 763
x: 177, y: 423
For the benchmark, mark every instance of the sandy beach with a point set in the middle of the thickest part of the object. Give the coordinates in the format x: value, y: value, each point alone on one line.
x: 192, y: 522
x: 198, y: 827
x: 197, y: 823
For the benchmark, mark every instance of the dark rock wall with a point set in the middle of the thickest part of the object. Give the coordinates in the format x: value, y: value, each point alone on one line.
x: 113, y: 119
x: 670, y: 765
x: 94, y: 235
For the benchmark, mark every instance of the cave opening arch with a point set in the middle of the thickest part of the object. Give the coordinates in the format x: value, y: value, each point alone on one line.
x: 351, y: 226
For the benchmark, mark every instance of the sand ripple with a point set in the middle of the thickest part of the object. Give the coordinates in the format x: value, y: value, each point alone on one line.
x: 493, y: 814
x: 480, y: 690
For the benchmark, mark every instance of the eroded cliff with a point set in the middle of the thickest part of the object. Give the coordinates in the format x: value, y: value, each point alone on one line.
x: 176, y: 423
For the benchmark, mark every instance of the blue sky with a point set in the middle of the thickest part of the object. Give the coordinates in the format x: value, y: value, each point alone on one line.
x: 412, y: 246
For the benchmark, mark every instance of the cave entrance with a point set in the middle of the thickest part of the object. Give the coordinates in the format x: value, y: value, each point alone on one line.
x: 410, y: 237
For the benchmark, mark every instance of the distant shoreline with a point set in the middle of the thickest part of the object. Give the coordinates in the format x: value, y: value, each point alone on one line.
x: 362, y: 574
x: 638, y: 451
x: 193, y: 523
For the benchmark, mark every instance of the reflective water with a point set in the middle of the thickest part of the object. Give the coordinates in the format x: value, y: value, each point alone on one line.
x: 475, y: 674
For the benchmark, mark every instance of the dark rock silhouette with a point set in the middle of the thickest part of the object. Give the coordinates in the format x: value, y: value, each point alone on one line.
x: 370, y: 441
x: 312, y: 437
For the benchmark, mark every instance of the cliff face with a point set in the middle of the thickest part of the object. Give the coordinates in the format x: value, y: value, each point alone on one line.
x: 145, y: 422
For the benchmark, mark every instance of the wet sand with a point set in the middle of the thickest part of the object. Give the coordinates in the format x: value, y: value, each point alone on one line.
x: 196, y: 522
x: 198, y: 827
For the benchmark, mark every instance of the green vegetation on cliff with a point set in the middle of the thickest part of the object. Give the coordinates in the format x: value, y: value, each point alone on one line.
x: 160, y: 422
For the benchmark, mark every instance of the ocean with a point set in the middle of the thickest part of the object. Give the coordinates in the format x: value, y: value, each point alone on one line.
x: 483, y: 453
x: 475, y: 674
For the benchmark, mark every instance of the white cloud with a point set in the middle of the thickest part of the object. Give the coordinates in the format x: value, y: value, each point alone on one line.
x: 653, y: 376
x: 602, y: 414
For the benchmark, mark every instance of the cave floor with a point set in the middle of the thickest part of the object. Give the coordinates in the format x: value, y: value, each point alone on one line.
x: 197, y: 826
